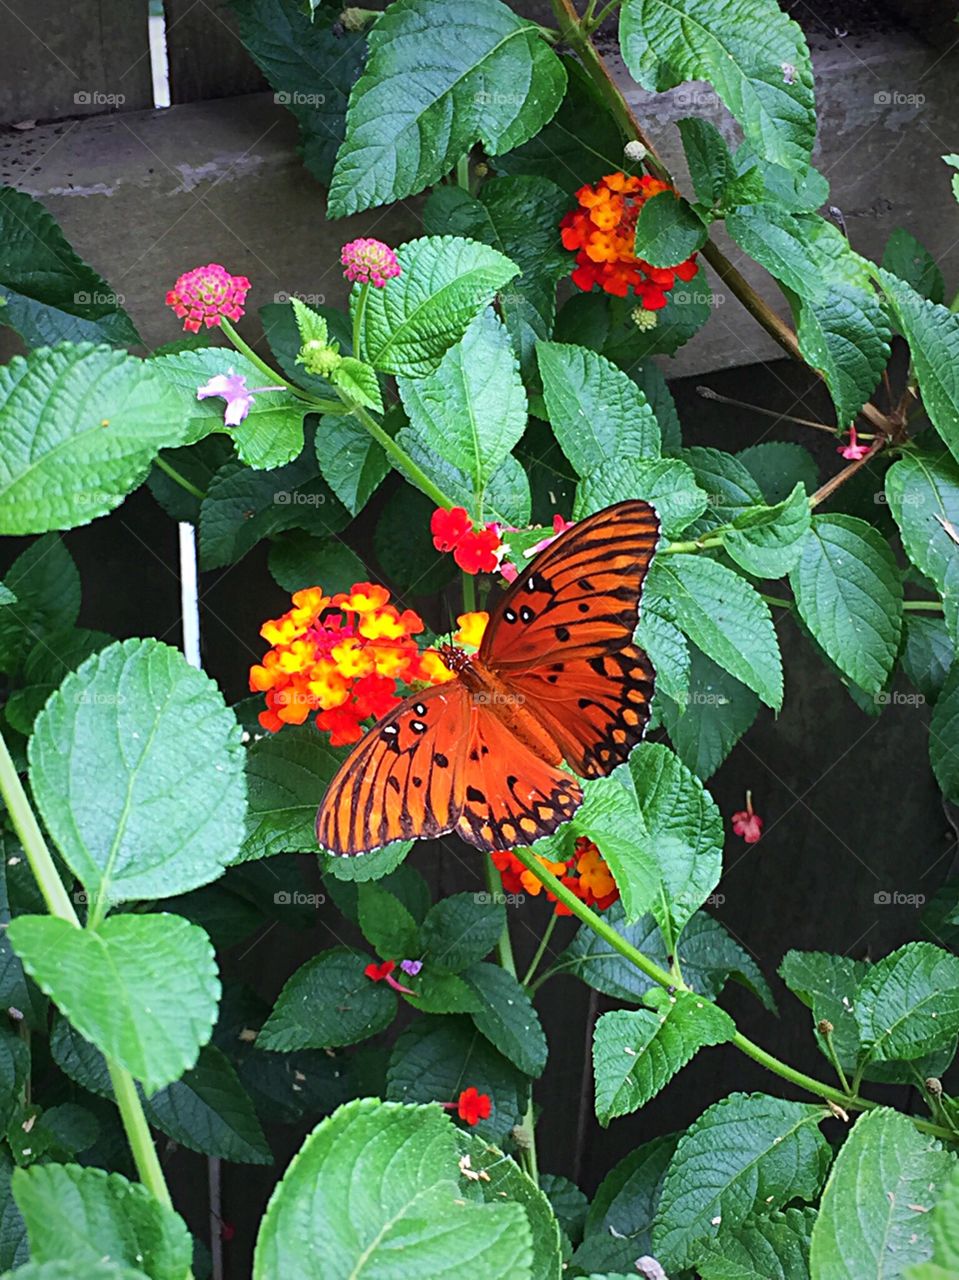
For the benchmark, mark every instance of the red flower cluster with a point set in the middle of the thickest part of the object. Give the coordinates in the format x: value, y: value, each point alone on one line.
x: 342, y: 657
x: 474, y: 550
x: 586, y: 873
x: 603, y: 232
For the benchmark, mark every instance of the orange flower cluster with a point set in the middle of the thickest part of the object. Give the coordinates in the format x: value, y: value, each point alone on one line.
x: 341, y: 656
x: 586, y: 873
x: 603, y: 231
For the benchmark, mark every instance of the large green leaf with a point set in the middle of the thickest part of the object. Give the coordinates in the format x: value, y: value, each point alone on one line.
x: 777, y: 467
x: 45, y: 667
x: 388, y: 925
x: 668, y: 230
x: 923, y: 494
x: 86, y: 1216
x: 722, y: 614
x: 287, y: 775
x: 767, y: 541
x: 849, y: 594
x: 727, y: 483
x: 488, y: 76
x: 81, y: 426
x: 944, y: 737
x: 142, y: 988
x: 908, y: 1003
x: 928, y: 653
x: 933, y: 336
x: 137, y: 768
x: 14, y: 1074
x: 299, y: 559
x: 715, y: 712
x: 506, y: 1017
x: 471, y: 409
x: 747, y: 1153
x: 50, y: 294
x: 410, y: 323
x: 752, y: 54
x: 772, y: 1246
x: 665, y: 482
x: 596, y: 411
x: 507, y: 500
x: 64, y: 1270
x: 618, y: 1224
x: 827, y: 985
x: 462, y: 929
x: 906, y: 258
x: 328, y: 1002
x: 636, y: 1052
x: 351, y: 462
x: 874, y: 1219
x: 46, y: 588
x: 377, y: 1182
x: 944, y: 1225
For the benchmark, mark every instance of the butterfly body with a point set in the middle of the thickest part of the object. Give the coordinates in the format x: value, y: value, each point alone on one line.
x: 557, y: 679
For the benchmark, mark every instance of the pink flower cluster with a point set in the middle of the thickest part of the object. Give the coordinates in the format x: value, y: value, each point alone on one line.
x: 207, y: 295
x: 368, y: 261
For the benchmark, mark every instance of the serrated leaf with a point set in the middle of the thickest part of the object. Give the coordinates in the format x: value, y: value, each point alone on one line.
x: 729, y: 487
x: 569, y: 1204
x: 923, y: 491
x: 299, y: 559
x: 610, y: 816
x: 766, y: 1247
x: 710, y: 163
x: 849, y: 594
x: 827, y: 985
x: 665, y: 482
x: 596, y: 411
x: 406, y: 1161
x: 490, y: 78
x: 461, y: 930
x: 911, y: 261
x: 287, y: 776
x: 618, y: 1224
x: 16, y: 990
x: 754, y: 56
x: 61, y: 1270
x: 506, y: 1017
x: 666, y: 647
x: 506, y: 501
x: 82, y: 425
x: 14, y: 1247
x: 874, y: 1219
x: 328, y: 1002
x: 668, y: 230
x: 767, y: 541
x: 142, y: 988
x: 908, y: 1003
x: 722, y: 614
x: 747, y: 1153
x: 637, y: 1052
x: 14, y: 1072
x: 846, y: 337
x: 928, y: 653
x: 778, y: 241
x: 944, y: 1225
x: 137, y: 768
x: 49, y: 293
x: 86, y: 1216
x: 713, y: 714
x: 351, y: 462
x: 471, y: 409
x: 606, y: 324
x: 944, y: 736
x: 359, y: 382
x: 45, y: 667
x: 386, y: 923
x: 777, y: 467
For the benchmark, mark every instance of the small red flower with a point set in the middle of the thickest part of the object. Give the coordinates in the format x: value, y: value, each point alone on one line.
x: 206, y: 295
x: 448, y: 527
x: 474, y: 550
x: 854, y: 451
x: 377, y: 972
x: 473, y: 1106
x: 748, y: 823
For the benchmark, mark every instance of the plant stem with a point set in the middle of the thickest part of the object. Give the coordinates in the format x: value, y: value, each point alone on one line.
x: 358, y: 318
x: 463, y: 172
x: 700, y: 544
x: 393, y: 451
x: 834, y: 1059
x: 174, y: 475
x: 540, y: 950
x: 934, y: 606
x: 664, y: 979
x: 469, y: 592
x: 323, y: 406
x: 59, y: 905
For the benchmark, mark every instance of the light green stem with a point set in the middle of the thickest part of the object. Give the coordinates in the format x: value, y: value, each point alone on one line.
x: 323, y: 406
x: 398, y: 455
x: 664, y: 979
x: 358, y: 318
x: 174, y: 475
x: 700, y: 544
x: 463, y: 172
x: 540, y: 950
x: 933, y: 606
x: 469, y: 592
x: 59, y: 905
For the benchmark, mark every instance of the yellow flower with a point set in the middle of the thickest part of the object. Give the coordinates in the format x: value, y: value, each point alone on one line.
x: 472, y: 628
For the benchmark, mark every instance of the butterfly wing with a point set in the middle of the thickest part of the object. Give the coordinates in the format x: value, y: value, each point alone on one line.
x: 404, y: 779
x: 561, y: 637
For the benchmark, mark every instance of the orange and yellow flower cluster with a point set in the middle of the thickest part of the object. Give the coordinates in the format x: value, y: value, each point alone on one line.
x: 341, y: 656
x: 603, y: 232
x: 585, y: 873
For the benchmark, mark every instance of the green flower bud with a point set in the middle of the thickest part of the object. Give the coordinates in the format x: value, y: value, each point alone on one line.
x: 319, y: 357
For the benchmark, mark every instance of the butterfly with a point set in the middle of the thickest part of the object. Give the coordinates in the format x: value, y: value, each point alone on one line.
x: 556, y: 678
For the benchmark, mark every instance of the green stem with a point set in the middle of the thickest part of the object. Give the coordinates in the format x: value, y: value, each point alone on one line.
x: 358, y: 314
x: 834, y: 1059
x: 540, y: 950
x: 664, y: 979
x: 324, y: 406
x: 182, y: 481
x: 393, y: 451
x: 463, y: 172
x: 59, y: 905
x: 934, y: 606
x: 700, y: 544
x: 469, y: 592
x: 777, y: 602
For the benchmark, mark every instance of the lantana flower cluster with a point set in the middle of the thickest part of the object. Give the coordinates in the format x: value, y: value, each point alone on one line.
x: 602, y: 231
x: 207, y: 295
x: 475, y: 550
x: 585, y: 873
x: 341, y: 657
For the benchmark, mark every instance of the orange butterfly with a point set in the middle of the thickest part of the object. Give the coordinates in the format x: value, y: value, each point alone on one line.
x: 557, y: 677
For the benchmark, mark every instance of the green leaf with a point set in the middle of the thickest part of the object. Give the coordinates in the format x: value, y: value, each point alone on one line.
x: 683, y: 833
x: 438, y: 1056
x: 45, y: 667
x: 923, y: 491
x: 49, y: 293
x: 372, y: 866
x: 747, y: 1153
x: 713, y: 715
x: 351, y: 462
x: 849, y: 594
x: 18, y: 893
x: 471, y: 409
x: 771, y: 1246
x: 312, y: 63
x: 928, y: 653
x: 636, y: 1052
x: 87, y: 1216
x: 14, y: 1072
x: 665, y: 482
x: 778, y: 241
x: 596, y: 411
x: 906, y: 258
x: 767, y: 541
x: 754, y: 57
x: 142, y: 988
x: 137, y: 768
x: 359, y: 382
x: 722, y: 614
x: 728, y: 484
x: 14, y: 1248
x: 944, y: 1225
x: 845, y: 336
x: 618, y: 1224
x: 908, y: 1003
x: 668, y: 230
x: 944, y: 736
x: 386, y: 923
x: 606, y: 324
x: 440, y: 992
x: 405, y: 1159
x: 777, y: 467
x: 710, y: 164
x: 82, y: 426
x: 328, y: 1002
x: 874, y: 1219
x: 827, y: 985
x: 282, y: 331
x: 61, y: 1270
x: 197, y: 463
x: 287, y: 776
x: 507, y: 500
x: 492, y: 79
x: 506, y: 1017
x: 461, y: 930
x: 666, y: 647
x: 505, y: 1180
x: 409, y: 325
x: 299, y: 559
x: 933, y: 336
